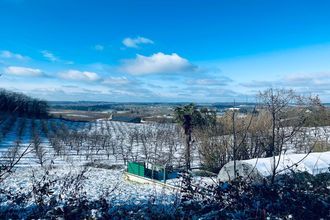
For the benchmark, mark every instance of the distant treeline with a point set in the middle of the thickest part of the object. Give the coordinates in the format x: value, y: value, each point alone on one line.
x: 83, y: 107
x: 22, y: 105
x: 102, y: 106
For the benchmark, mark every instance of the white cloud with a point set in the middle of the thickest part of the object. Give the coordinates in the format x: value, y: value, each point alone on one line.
x: 305, y: 79
x: 135, y: 42
x: 50, y: 56
x: 157, y: 63
x: 304, y: 83
x: 98, y: 47
x: 220, y: 81
x: 116, y: 81
x: 10, y: 55
x: 316, y: 80
x: 22, y: 71
x: 79, y: 75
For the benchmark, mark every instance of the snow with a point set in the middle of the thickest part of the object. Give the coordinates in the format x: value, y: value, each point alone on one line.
x: 98, y: 182
x: 78, y: 115
x: 313, y: 163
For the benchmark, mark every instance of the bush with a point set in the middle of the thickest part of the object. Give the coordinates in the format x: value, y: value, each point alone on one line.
x: 297, y: 196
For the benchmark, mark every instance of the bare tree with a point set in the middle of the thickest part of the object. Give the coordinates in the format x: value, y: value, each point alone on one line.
x: 213, y: 147
x: 288, y: 113
x: 10, y: 158
x: 39, y: 151
x: 122, y: 149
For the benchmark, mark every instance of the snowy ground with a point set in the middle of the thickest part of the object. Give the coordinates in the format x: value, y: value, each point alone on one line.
x: 116, y: 131
x: 100, y: 182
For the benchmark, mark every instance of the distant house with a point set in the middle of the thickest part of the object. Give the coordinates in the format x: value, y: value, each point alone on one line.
x: 126, y: 119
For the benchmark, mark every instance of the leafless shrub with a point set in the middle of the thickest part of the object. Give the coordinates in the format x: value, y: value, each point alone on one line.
x: 10, y: 158
x: 288, y: 113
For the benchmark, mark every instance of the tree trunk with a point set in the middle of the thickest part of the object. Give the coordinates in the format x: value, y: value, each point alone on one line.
x: 187, y: 131
x: 187, y: 156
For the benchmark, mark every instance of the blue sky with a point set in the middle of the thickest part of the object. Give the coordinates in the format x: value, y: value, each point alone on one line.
x: 173, y: 50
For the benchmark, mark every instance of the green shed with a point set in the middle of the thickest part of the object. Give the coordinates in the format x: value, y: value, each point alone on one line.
x: 151, y: 171
x: 136, y: 168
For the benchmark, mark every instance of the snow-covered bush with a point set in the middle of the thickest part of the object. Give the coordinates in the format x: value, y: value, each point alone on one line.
x: 298, y: 196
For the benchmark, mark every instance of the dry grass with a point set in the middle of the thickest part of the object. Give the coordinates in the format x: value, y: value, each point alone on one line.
x: 321, y: 146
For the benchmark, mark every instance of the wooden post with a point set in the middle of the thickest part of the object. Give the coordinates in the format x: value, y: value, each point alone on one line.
x: 152, y: 171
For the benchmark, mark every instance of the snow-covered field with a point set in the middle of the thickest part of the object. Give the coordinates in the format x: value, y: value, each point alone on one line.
x: 63, y: 161
x: 98, y: 183
x: 111, y: 142
x: 69, y: 161
x: 102, y: 141
x: 66, y: 147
